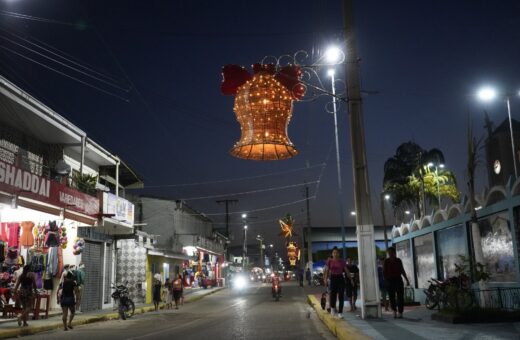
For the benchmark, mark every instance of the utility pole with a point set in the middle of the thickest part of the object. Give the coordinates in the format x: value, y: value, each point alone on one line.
x: 226, y: 202
x: 364, y: 225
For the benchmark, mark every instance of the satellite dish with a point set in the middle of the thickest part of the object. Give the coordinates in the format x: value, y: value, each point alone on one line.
x: 62, y: 168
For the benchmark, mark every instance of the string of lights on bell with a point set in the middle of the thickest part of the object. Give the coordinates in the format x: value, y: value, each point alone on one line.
x: 263, y: 108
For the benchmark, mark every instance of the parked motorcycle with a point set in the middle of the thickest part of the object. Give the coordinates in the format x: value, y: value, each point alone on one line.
x: 125, y: 305
x: 317, y: 280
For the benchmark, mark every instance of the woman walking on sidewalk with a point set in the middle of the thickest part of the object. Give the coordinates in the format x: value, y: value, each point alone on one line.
x: 25, y: 290
x: 392, y: 271
x: 69, y: 291
x: 335, y: 269
x: 169, y: 293
x: 156, y: 291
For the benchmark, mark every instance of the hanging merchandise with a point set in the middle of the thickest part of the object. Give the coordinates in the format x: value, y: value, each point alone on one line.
x: 2, y: 251
x: 3, y: 234
x: 52, y: 237
x: 14, y: 234
x: 78, y: 246
x: 63, y: 236
x: 52, y: 261
x: 39, y: 235
x: 12, y: 256
x: 263, y: 108
x: 27, y: 239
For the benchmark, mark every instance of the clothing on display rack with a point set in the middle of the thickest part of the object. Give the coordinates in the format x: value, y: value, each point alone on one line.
x: 14, y: 234
x: 27, y: 239
x: 52, y: 261
x: 3, y: 235
x: 2, y: 251
x: 52, y: 238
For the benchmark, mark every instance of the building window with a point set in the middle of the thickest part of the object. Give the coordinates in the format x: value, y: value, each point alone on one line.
x: 424, y: 261
x: 497, y: 247
x: 451, y: 244
x: 403, y: 252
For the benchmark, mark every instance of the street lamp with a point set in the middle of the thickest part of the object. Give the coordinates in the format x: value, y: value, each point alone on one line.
x: 333, y: 55
x: 488, y: 94
x: 261, y: 239
x: 437, y: 179
x: 331, y: 73
x: 244, y: 250
x: 384, y: 197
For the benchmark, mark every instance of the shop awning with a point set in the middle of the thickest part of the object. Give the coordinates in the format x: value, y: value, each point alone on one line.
x: 169, y: 255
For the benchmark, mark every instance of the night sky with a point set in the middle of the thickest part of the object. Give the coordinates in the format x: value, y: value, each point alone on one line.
x: 165, y: 116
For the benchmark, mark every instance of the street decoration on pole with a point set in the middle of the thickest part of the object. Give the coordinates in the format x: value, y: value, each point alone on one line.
x: 293, y: 251
x: 263, y: 108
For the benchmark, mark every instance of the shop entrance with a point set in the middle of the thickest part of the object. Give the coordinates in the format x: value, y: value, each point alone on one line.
x: 92, y: 258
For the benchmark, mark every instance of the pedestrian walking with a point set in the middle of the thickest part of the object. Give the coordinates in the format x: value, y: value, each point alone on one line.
x: 308, y: 276
x: 177, y: 290
x: 300, y: 276
x: 25, y: 291
x: 352, y: 284
x: 169, y: 293
x: 382, y: 283
x: 336, y: 267
x: 68, y: 294
x: 156, y: 291
x: 393, y: 272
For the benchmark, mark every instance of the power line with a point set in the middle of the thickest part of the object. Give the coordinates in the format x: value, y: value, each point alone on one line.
x: 230, y: 179
x: 65, y: 65
x: 247, y: 192
x: 65, y: 75
x: 33, y: 18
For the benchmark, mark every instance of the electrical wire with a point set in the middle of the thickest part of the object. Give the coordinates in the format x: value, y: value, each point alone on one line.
x: 60, y: 54
x: 65, y: 65
x: 65, y: 75
x: 33, y: 18
x: 247, y: 192
x: 230, y: 179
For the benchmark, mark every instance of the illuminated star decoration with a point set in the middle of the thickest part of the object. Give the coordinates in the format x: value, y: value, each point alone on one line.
x: 287, y: 226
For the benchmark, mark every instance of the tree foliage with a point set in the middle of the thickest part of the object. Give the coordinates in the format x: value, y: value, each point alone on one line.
x: 407, y: 178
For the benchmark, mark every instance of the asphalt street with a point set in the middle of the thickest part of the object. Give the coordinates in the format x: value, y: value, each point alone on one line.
x: 252, y: 314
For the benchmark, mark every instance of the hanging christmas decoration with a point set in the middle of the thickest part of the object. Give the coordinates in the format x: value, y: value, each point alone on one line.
x: 293, y: 253
x: 263, y: 108
x: 286, y: 224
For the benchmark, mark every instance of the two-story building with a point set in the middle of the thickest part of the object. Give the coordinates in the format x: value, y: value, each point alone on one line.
x: 59, y: 198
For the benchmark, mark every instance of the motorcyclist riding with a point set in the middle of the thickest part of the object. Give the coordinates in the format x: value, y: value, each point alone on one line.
x: 276, y: 287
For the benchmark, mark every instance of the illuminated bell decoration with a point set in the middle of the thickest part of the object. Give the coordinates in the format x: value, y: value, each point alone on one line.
x: 263, y: 108
x: 293, y: 253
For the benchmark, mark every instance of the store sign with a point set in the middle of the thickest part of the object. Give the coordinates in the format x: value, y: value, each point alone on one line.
x: 16, y: 181
x: 121, y: 209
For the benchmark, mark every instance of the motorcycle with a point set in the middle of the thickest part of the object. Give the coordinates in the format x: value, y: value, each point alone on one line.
x: 317, y: 280
x: 125, y: 305
x: 276, y: 289
x: 239, y: 283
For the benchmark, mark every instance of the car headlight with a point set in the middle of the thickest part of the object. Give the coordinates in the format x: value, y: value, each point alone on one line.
x: 240, y: 282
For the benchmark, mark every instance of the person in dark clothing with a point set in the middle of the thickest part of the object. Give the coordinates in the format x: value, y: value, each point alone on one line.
x: 308, y: 276
x: 25, y: 291
x: 382, y: 283
x: 336, y: 267
x: 393, y: 271
x: 352, y: 285
x: 68, y: 294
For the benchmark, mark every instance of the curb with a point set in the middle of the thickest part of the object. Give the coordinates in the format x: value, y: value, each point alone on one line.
x: 340, y: 328
x: 17, y: 332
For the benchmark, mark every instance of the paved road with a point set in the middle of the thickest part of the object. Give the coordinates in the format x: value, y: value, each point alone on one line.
x: 223, y: 315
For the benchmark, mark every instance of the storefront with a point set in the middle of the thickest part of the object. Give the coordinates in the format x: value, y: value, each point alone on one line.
x: 165, y: 263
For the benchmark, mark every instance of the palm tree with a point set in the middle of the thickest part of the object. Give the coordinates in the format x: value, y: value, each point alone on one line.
x: 409, y: 180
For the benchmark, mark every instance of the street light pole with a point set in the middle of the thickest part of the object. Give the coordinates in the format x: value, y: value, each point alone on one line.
x: 261, y: 239
x: 338, y: 164
x: 244, y: 250
x: 371, y: 306
x: 512, y: 135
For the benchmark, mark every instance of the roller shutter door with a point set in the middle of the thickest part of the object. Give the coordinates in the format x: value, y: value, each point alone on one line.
x: 92, y: 257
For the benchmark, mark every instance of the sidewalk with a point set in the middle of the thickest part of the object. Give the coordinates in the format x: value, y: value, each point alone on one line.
x: 415, y: 325
x: 10, y: 329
